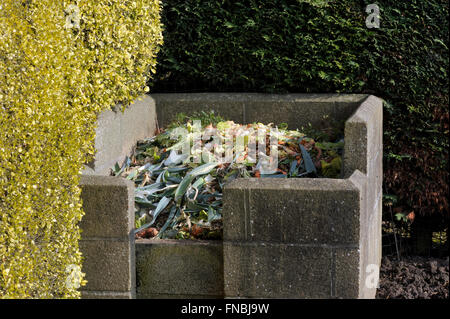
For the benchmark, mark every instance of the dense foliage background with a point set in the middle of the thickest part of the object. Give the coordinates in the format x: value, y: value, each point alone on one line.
x: 60, y: 65
x: 324, y: 46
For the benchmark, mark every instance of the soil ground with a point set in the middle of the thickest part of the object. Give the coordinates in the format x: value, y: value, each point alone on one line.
x: 413, y: 278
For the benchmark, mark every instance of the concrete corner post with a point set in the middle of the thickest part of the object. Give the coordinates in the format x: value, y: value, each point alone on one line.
x: 107, y: 238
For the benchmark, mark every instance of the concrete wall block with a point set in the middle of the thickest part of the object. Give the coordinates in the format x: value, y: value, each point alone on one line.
x: 235, y: 197
x: 300, y: 110
x: 375, y: 174
x: 355, y: 147
x: 109, y: 265
x: 108, y: 203
x: 179, y: 268
x: 374, y: 245
x: 313, y: 211
x: 276, y: 271
x: 295, y: 114
x: 348, y: 274
x: 107, y: 146
x: 354, y: 277
x: 369, y: 252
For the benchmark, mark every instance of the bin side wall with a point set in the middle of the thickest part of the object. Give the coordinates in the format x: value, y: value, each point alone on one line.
x: 117, y: 133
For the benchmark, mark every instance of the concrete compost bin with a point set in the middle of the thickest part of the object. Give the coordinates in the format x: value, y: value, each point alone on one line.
x: 283, y: 238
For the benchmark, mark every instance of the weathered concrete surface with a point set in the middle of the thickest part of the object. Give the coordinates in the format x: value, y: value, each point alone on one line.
x: 179, y: 269
x: 168, y: 105
x: 363, y: 151
x: 106, y: 295
x: 108, y: 203
x: 348, y: 273
x: 304, y: 211
x: 107, y: 238
x: 117, y: 133
x: 269, y: 270
x: 107, y: 264
x: 364, y: 139
x: 296, y: 110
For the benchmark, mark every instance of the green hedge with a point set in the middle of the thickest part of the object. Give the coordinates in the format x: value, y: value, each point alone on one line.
x: 60, y: 65
x: 325, y: 46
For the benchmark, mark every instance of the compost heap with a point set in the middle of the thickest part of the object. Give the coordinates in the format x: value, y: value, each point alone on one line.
x: 176, y: 198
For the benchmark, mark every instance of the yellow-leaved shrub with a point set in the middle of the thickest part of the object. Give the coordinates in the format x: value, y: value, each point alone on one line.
x: 61, y: 63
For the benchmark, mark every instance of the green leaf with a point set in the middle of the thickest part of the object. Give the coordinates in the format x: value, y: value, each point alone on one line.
x: 293, y: 169
x: 187, y: 180
x: 168, y: 221
x: 175, y: 158
x: 143, y: 202
x: 213, y: 214
x: 116, y: 169
x: 203, y: 215
x: 230, y: 25
x: 199, y: 183
x: 309, y: 165
x: 161, y: 206
x: 400, y: 216
x: 441, y: 43
x: 183, y: 187
x: 203, y: 169
x: 132, y: 175
x: 149, y: 187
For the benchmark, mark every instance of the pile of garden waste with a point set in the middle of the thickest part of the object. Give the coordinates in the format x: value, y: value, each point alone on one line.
x: 177, y: 198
